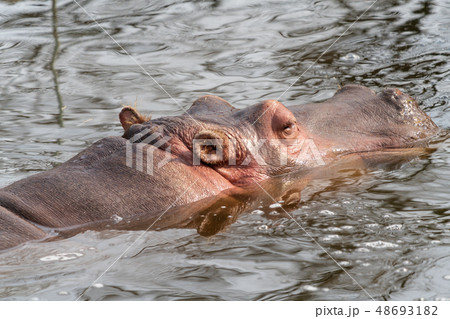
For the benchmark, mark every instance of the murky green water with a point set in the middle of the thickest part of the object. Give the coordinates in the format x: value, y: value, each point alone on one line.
x: 63, y: 82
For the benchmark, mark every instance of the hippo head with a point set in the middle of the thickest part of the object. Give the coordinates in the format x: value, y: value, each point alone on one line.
x: 245, y: 145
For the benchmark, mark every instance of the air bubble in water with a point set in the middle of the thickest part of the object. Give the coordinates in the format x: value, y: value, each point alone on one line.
x: 327, y: 212
x: 394, y: 227
x: 61, y: 257
x: 380, y: 244
x: 351, y: 58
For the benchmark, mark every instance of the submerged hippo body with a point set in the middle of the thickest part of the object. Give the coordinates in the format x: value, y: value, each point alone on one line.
x: 172, y: 162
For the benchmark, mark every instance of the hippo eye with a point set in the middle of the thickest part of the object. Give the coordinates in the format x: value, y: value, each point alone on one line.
x: 289, y: 129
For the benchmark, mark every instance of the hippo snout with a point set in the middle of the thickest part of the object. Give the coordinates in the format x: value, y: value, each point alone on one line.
x: 409, y: 112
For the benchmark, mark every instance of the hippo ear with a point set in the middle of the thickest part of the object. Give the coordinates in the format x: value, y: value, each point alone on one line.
x: 129, y: 116
x: 210, y: 105
x: 211, y: 147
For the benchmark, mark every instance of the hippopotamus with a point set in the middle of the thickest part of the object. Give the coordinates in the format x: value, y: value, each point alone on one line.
x: 199, y: 158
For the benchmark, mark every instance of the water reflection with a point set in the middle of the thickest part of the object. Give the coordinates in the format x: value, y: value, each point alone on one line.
x: 53, y: 61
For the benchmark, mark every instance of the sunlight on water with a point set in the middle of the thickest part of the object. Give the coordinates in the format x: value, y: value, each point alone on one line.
x: 61, y: 257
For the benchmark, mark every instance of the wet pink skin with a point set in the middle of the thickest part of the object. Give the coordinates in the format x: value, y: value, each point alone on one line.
x: 98, y: 184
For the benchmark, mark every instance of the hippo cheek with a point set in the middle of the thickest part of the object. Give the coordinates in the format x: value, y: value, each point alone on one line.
x: 242, y: 175
x: 303, y: 154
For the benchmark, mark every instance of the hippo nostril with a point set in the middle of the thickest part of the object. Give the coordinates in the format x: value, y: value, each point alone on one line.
x: 397, y: 95
x: 407, y: 110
